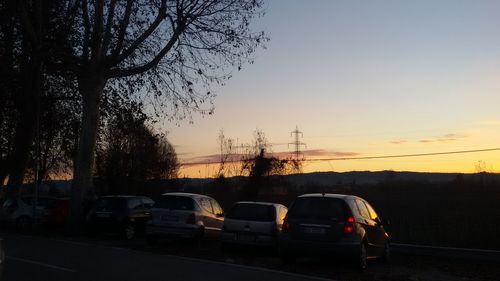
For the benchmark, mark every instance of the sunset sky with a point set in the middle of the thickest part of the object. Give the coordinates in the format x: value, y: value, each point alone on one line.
x: 364, y: 78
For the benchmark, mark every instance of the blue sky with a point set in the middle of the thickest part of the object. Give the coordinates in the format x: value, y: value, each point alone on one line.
x: 370, y: 77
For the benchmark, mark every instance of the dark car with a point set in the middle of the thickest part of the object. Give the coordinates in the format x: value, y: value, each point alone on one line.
x: 336, y: 225
x: 122, y: 214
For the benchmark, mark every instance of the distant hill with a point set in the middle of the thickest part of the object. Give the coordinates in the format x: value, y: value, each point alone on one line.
x: 354, y: 177
x: 308, y: 179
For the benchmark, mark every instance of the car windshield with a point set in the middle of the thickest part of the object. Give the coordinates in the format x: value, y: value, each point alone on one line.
x: 174, y: 202
x: 317, y: 207
x: 109, y: 204
x: 251, y: 212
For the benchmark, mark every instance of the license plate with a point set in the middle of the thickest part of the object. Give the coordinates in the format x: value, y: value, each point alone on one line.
x: 169, y: 218
x: 314, y: 230
x: 246, y: 237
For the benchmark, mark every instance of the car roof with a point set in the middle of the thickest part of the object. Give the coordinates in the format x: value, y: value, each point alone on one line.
x: 259, y: 203
x: 187, y: 194
x: 328, y: 195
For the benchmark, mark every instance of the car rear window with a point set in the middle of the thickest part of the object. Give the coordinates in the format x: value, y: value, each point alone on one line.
x: 174, y: 202
x: 251, y: 212
x: 318, y: 207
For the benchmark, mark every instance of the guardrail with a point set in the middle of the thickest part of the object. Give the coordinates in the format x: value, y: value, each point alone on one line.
x: 462, y: 253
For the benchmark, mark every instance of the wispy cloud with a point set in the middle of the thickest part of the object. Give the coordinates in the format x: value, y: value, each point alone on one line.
x: 311, y: 153
x: 329, y: 153
x: 434, y: 139
x: 443, y: 138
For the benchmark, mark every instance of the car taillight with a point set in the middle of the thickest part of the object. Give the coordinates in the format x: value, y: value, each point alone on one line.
x: 191, y: 219
x: 286, y: 225
x: 349, y: 225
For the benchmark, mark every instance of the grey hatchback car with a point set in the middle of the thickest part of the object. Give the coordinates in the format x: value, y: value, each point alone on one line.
x: 338, y: 225
x: 184, y: 215
x: 253, y: 223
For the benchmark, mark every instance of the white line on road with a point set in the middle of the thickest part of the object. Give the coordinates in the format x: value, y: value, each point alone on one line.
x: 41, y: 264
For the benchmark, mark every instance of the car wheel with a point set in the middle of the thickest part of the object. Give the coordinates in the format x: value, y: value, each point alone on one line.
x: 362, y: 258
x: 23, y: 223
x: 198, y: 237
x: 387, y: 252
x: 129, y: 232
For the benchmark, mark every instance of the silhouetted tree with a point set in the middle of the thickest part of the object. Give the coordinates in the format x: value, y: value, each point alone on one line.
x: 27, y: 30
x: 258, y: 166
x: 166, y: 51
x: 130, y: 153
x: 227, y: 155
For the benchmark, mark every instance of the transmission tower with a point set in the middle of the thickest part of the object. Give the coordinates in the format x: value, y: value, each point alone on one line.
x: 297, y: 143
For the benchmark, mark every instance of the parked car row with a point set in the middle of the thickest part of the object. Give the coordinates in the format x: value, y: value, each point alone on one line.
x: 316, y: 224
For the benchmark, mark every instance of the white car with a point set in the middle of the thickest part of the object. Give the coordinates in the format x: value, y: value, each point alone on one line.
x: 184, y: 215
x: 253, y: 223
x: 19, y: 212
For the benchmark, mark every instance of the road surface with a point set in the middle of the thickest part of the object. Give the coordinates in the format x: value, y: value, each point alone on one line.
x: 34, y: 258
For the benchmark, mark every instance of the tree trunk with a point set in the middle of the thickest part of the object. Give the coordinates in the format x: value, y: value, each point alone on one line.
x: 90, y: 88
x: 28, y: 104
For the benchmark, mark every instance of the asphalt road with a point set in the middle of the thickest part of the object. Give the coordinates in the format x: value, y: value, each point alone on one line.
x: 35, y: 258
x: 42, y: 257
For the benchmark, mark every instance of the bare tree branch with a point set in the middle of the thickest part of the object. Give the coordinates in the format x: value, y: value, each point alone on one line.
x: 123, y: 28
x: 159, y: 18
x: 113, y: 73
x: 97, y: 30
x: 86, y: 26
x: 109, y: 24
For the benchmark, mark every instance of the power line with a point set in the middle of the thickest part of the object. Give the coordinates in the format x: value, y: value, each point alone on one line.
x: 369, y: 157
x: 405, y: 155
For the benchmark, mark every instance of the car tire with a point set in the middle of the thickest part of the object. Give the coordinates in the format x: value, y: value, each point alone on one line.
x: 23, y: 223
x: 361, y: 261
x: 386, y: 256
x: 129, y: 232
x: 198, y: 237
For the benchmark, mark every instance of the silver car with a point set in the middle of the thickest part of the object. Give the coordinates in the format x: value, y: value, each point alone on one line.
x: 253, y: 223
x: 184, y: 215
x: 19, y: 211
